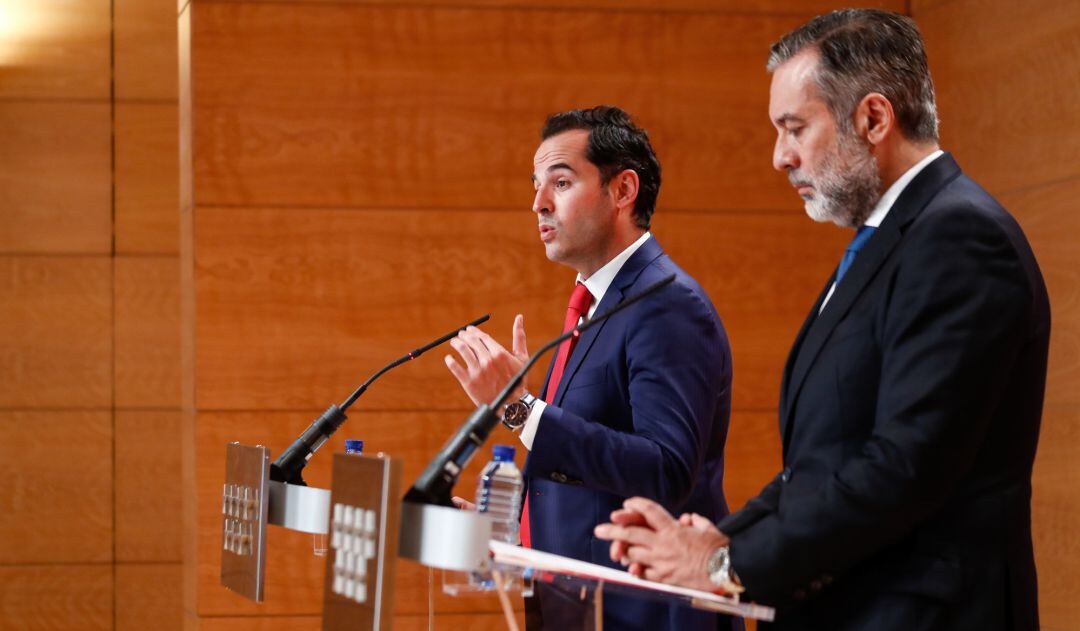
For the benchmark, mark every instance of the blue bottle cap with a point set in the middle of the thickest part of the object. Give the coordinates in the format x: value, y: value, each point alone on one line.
x: 353, y: 446
x: 504, y: 453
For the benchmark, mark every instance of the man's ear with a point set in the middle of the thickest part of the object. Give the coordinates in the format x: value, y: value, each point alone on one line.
x: 624, y: 189
x: 875, y: 119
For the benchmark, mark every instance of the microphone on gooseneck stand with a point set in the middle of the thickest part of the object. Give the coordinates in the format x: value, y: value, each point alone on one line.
x: 437, y: 480
x: 292, y: 461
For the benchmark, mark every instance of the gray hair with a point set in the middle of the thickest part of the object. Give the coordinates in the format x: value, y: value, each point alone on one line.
x: 863, y: 51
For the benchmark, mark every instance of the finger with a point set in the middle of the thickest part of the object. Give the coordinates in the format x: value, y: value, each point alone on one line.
x: 636, y: 569
x: 625, y: 517
x: 483, y: 342
x: 468, y: 355
x: 456, y: 369
x: 630, y: 534
x: 686, y: 519
x: 699, y: 522
x: 463, y: 503
x: 521, y: 348
x: 655, y: 515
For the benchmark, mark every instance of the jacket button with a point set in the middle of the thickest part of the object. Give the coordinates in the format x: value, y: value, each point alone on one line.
x: 559, y: 477
x: 785, y: 475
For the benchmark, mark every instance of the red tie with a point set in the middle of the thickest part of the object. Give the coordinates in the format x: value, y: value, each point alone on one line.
x: 578, y: 307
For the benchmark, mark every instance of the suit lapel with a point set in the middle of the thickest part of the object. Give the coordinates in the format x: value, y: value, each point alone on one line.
x: 647, y: 253
x: 789, y: 364
x: 818, y: 327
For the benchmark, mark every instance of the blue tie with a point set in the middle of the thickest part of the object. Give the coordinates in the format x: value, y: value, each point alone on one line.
x: 861, y: 237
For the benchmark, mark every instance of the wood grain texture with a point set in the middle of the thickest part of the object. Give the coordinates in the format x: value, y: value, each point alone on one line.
x: 147, y: 178
x: 361, y: 106
x: 697, y: 6
x: 55, y: 186
x: 751, y: 456
x: 57, y: 472
x: 148, y: 521
x: 49, y: 598
x: 1049, y: 218
x: 1055, y: 508
x: 56, y: 342
x: 145, y: 49
x: 296, y: 308
x: 294, y: 576
x: 147, y: 304
x: 148, y: 597
x: 1006, y: 78
x: 55, y: 49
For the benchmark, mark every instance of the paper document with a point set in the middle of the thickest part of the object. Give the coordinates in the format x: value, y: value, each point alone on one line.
x: 529, y: 558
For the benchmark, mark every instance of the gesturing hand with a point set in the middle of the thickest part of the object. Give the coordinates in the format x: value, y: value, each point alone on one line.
x: 488, y: 367
x: 658, y: 547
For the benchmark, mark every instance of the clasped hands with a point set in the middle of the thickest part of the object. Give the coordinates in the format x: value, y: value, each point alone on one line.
x: 655, y: 546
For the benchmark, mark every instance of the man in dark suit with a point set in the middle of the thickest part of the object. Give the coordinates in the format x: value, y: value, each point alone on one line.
x: 911, y: 400
x: 639, y: 404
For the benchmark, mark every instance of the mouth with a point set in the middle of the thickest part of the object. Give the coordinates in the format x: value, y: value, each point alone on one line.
x: 547, y: 233
x: 803, y: 189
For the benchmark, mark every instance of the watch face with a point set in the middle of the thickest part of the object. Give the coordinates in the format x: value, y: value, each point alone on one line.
x: 515, y: 415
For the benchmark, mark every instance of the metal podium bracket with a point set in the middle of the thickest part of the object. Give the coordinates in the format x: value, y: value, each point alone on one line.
x: 243, y: 513
x: 303, y: 508
x: 447, y: 538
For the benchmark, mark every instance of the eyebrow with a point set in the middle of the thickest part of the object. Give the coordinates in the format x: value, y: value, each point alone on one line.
x: 556, y: 167
x: 787, y: 117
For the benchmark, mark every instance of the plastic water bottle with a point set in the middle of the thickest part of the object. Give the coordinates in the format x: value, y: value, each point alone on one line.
x: 354, y: 447
x: 498, y: 493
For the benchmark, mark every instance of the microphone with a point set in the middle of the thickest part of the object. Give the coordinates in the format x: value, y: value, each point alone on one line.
x: 437, y: 480
x: 292, y: 461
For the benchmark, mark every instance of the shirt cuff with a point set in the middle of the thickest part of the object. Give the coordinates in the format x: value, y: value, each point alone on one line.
x: 528, y: 431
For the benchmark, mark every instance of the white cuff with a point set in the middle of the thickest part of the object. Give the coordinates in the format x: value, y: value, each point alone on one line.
x: 528, y: 431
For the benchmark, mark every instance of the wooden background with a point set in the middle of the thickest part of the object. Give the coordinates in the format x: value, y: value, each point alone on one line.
x: 353, y: 180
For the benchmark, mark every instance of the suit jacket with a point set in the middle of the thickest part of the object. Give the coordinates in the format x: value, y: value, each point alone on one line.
x: 642, y: 409
x: 909, y: 413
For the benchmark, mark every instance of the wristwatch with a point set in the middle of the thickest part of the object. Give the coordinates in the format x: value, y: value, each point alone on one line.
x: 720, y: 572
x: 516, y: 413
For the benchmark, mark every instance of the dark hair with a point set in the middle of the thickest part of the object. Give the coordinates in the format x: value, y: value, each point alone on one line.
x: 863, y: 51
x: 615, y: 144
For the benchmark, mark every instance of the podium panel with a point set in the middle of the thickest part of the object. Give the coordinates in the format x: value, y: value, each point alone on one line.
x: 244, y: 505
x: 365, y: 510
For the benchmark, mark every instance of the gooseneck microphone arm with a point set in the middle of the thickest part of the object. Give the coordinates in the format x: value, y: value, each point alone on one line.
x: 437, y: 480
x: 291, y: 462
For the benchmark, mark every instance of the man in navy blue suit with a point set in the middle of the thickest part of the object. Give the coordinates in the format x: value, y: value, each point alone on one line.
x: 912, y: 397
x: 639, y: 405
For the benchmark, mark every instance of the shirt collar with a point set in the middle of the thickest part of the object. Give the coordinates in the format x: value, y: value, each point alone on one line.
x: 601, y: 279
x: 889, y: 198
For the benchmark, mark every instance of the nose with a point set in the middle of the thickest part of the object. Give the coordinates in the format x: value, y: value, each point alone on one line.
x: 784, y: 156
x: 541, y: 201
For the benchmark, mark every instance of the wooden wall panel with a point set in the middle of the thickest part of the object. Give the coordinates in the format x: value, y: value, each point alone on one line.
x: 57, y: 472
x: 751, y: 455
x: 351, y: 290
x: 147, y: 348
x: 148, y: 522
x: 48, y: 598
x: 148, y: 597
x: 762, y: 7
x: 146, y: 47
x: 55, y: 49
x: 1055, y: 515
x: 1048, y: 215
x: 55, y: 347
x: 55, y: 186
x: 147, y: 178
x: 1007, y: 82
x: 446, y: 111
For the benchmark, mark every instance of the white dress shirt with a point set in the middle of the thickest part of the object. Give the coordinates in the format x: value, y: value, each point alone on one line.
x: 886, y: 202
x: 597, y: 284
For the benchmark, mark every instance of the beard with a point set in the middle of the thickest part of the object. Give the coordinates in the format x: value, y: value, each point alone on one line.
x: 848, y: 185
